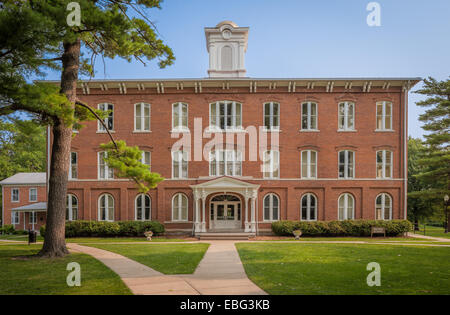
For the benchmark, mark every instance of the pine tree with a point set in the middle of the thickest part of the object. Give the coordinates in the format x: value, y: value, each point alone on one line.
x: 36, y: 36
x: 436, y: 159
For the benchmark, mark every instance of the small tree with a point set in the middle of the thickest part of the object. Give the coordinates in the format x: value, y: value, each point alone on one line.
x: 435, y: 162
x: 36, y: 35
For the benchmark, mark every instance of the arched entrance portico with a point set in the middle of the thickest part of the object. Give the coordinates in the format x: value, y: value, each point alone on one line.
x: 228, y: 213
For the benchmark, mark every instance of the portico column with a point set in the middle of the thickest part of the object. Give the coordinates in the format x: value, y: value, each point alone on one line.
x: 204, y: 195
x: 253, y: 224
x: 246, y: 225
x: 197, y: 212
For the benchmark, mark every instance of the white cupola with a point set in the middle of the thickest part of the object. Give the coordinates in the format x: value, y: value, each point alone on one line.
x: 227, y: 45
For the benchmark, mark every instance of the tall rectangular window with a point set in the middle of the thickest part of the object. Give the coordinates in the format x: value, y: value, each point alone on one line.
x: 346, y: 164
x: 271, y: 164
x: 104, y: 172
x: 179, y: 116
x: 309, y: 116
x: 15, y: 195
x: 384, y: 164
x: 15, y: 217
x: 33, y: 217
x: 146, y: 158
x: 180, y: 164
x: 142, y: 117
x: 33, y: 194
x: 346, y: 116
x: 309, y: 164
x: 225, y: 162
x: 225, y: 115
x: 73, y: 170
x: 384, y: 116
x: 272, y: 116
x: 109, y: 120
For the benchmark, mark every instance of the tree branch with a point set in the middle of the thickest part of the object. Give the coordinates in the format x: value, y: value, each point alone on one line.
x: 80, y: 103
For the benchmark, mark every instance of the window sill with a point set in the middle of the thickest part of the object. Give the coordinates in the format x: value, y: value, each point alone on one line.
x: 308, y: 178
x: 142, y: 131
x: 309, y: 130
x: 239, y: 130
x: 384, y: 130
x: 175, y: 222
x: 383, y: 178
x: 344, y: 130
x: 271, y: 178
x: 180, y: 131
x: 110, y: 131
x: 271, y: 130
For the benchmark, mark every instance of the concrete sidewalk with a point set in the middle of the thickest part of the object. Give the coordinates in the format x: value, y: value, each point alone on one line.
x: 139, y: 278
x: 439, y: 239
x: 219, y: 273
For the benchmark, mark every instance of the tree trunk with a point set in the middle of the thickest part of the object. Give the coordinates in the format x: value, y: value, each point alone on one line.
x: 54, y: 242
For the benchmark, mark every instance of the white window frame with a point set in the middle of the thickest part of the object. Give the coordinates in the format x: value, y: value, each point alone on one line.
x: 346, y: 197
x: 109, y: 173
x: 309, y: 165
x: 180, y: 127
x: 70, y: 207
x: 270, y: 156
x: 71, y: 175
x: 33, y: 217
x: 271, y: 196
x: 233, y: 114
x: 30, y: 194
x: 308, y: 197
x: 179, y: 208
x: 184, y: 163
x: 272, y: 117
x: 15, y: 217
x: 100, y: 127
x: 346, y: 164
x: 143, y: 218
x: 383, y: 208
x: 309, y: 115
x: 107, y: 206
x: 346, y: 116
x: 142, y: 117
x: 144, y: 153
x: 236, y: 159
x: 383, y: 116
x: 12, y: 195
x: 384, y: 164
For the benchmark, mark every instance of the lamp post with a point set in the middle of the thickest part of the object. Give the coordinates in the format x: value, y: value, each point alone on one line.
x: 446, y: 198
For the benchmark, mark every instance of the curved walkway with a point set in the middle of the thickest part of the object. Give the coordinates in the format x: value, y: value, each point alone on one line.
x: 219, y: 273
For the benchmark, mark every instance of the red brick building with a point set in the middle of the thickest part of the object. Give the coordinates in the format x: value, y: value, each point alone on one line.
x: 238, y: 153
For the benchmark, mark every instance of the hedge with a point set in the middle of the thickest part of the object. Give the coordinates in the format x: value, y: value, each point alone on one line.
x: 110, y: 229
x: 340, y: 228
x: 9, y: 229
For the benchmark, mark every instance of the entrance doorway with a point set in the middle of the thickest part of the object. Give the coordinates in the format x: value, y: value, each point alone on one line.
x: 225, y: 212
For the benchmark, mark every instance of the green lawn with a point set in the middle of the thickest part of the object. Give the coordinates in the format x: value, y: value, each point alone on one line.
x: 48, y: 276
x: 166, y: 258
x: 350, y: 239
x: 341, y: 268
x: 434, y: 231
x: 96, y: 239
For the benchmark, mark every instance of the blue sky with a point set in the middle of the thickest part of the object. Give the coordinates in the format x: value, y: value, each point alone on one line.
x: 296, y: 38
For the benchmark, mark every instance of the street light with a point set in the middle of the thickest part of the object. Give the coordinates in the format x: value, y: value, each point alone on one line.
x: 446, y: 198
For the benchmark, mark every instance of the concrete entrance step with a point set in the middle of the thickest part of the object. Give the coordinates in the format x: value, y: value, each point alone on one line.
x: 224, y: 236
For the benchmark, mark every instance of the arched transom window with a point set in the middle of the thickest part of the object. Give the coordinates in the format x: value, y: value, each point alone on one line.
x: 143, y: 207
x: 383, y: 207
x: 271, y: 207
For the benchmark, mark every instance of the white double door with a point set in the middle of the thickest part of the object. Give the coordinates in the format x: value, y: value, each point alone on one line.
x: 225, y: 215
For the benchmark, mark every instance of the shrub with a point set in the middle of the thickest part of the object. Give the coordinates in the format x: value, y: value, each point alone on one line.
x: 110, y: 229
x: 340, y: 228
x: 7, y: 229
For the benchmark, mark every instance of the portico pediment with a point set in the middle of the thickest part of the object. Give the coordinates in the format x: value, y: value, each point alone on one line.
x: 225, y: 183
